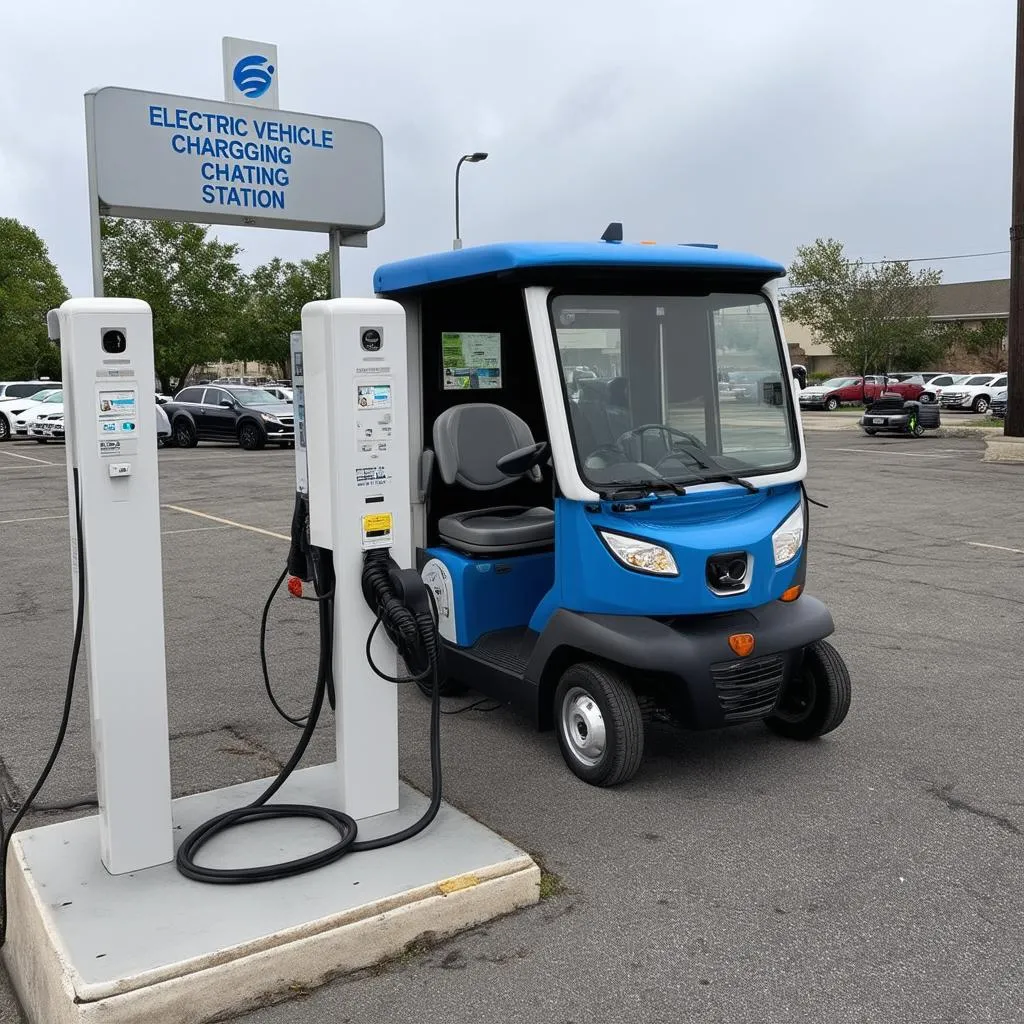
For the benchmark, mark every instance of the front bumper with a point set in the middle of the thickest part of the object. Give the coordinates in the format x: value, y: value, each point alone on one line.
x: 955, y: 401
x: 899, y: 422
x: 686, y: 664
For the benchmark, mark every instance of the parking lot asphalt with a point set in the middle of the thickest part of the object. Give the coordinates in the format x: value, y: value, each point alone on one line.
x: 875, y: 875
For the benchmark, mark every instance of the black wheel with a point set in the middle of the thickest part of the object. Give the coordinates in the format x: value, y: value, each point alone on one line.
x: 917, y: 430
x: 185, y: 434
x: 926, y: 399
x: 600, y: 728
x: 980, y: 404
x: 5, y: 429
x: 250, y: 437
x: 870, y: 430
x: 816, y: 699
x: 831, y: 404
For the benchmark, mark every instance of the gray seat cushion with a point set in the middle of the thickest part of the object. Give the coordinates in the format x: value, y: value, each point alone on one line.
x: 469, y: 439
x: 501, y: 530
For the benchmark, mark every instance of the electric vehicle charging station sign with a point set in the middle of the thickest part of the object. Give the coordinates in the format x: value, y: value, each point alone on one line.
x: 159, y: 156
x: 117, y: 419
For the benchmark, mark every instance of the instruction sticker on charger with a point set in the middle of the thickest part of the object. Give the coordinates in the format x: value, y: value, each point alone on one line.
x: 117, y: 420
x: 377, y: 530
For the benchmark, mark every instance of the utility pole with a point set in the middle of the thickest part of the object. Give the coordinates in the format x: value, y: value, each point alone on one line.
x: 1014, y: 424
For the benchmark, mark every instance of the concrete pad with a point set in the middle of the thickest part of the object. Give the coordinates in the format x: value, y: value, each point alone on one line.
x: 1000, y: 448
x: 85, y: 946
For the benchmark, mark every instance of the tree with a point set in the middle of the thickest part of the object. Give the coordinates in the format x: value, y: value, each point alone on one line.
x: 984, y: 343
x: 191, y: 282
x: 30, y: 286
x: 874, y: 318
x: 272, y: 299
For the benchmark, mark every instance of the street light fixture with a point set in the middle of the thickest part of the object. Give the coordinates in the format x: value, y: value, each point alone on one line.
x: 470, y: 158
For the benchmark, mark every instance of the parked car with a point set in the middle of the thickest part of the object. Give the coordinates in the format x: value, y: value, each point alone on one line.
x: 935, y: 383
x: 12, y: 408
x: 975, y: 393
x: 857, y: 390
x: 251, y: 416
x: 53, y: 403
x: 163, y: 426
x: 24, y: 388
x: 998, y: 407
x: 280, y: 392
x: 45, y: 422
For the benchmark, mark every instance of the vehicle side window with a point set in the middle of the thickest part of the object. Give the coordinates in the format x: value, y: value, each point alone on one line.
x: 214, y: 396
x: 191, y: 395
x: 999, y: 382
x: 941, y: 382
x: 21, y: 390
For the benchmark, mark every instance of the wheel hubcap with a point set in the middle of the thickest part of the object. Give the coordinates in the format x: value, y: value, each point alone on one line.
x: 583, y: 727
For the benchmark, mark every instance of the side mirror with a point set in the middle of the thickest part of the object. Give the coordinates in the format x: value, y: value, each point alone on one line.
x: 225, y: 404
x: 523, y: 459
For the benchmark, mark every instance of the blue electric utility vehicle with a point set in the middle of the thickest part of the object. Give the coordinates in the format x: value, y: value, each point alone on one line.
x: 611, y: 514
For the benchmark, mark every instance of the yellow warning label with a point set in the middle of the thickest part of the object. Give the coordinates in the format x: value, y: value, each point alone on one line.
x: 379, y: 522
x: 455, y: 884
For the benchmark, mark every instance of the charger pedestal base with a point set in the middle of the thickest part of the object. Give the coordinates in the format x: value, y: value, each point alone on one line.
x: 85, y: 946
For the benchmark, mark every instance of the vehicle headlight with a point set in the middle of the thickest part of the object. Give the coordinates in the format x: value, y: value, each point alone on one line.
x: 789, y: 537
x: 267, y: 418
x: 640, y: 554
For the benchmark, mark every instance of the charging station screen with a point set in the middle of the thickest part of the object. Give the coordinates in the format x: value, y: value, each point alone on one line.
x: 375, y: 396
x: 117, y: 419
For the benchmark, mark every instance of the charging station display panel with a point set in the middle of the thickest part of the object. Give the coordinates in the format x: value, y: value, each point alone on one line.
x: 117, y: 420
x: 471, y: 360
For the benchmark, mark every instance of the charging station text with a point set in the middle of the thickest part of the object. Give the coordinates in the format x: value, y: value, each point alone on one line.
x: 243, y: 162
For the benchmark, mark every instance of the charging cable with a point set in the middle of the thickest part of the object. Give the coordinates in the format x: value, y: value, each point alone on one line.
x: 7, y: 834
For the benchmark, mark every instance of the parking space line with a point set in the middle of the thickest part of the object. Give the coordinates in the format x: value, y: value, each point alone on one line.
x: 28, y: 458
x: 994, y: 547
x: 887, y: 451
x: 227, y: 522
x: 31, y: 519
x: 194, y: 529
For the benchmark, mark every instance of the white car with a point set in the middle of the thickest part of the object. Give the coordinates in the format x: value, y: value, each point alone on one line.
x: 975, y: 393
x: 51, y: 404
x: 938, y: 383
x: 12, y: 408
x: 281, y: 393
x: 46, y: 422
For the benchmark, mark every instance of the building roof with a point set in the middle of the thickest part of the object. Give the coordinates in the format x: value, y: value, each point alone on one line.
x: 968, y: 300
x: 479, y: 261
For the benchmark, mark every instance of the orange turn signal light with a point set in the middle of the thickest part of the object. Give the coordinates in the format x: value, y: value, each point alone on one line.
x: 792, y: 593
x: 742, y: 643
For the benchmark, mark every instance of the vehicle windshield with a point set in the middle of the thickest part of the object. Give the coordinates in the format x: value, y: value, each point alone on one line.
x: 56, y: 398
x: 679, y: 388
x: 838, y: 382
x: 254, y: 396
x: 980, y: 380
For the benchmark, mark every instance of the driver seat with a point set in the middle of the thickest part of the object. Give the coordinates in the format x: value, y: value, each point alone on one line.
x: 468, y: 441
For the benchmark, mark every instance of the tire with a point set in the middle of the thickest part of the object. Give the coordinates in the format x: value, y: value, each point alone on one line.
x: 980, y: 404
x: 599, y: 724
x: 5, y: 429
x: 816, y: 699
x: 918, y: 430
x: 831, y: 404
x: 184, y: 434
x: 870, y: 431
x: 925, y: 399
x: 251, y: 438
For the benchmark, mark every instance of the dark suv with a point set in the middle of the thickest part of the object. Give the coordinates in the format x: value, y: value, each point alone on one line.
x: 251, y: 416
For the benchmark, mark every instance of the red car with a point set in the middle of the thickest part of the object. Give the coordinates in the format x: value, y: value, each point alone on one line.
x: 858, y: 391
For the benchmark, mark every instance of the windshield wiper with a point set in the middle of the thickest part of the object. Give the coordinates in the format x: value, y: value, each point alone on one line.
x: 641, y: 489
x: 726, y: 478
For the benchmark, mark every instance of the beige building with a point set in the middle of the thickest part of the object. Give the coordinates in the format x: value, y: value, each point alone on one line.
x: 970, y: 303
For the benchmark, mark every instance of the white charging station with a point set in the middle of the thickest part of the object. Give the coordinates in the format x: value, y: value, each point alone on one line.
x: 357, y: 427
x: 107, y: 363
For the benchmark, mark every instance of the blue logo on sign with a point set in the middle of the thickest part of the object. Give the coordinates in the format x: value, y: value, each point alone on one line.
x: 127, y: 426
x: 250, y: 76
x: 110, y: 426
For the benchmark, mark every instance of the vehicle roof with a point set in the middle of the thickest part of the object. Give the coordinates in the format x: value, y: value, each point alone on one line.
x: 486, y: 260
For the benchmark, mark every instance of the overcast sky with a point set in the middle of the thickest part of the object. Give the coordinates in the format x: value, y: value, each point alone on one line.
x: 757, y: 124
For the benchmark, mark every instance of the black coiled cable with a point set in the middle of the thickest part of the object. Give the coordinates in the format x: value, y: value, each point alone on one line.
x: 415, y: 636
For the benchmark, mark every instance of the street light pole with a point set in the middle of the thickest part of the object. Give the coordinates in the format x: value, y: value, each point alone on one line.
x: 472, y: 158
x: 1013, y: 425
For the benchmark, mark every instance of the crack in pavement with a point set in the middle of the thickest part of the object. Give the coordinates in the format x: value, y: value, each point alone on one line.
x: 945, y: 795
x: 10, y: 794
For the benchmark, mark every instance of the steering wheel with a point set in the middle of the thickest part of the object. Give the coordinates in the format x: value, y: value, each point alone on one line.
x: 662, y: 428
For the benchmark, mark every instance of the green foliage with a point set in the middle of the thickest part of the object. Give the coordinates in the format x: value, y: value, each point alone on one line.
x: 30, y: 286
x: 190, y: 280
x: 874, y: 318
x: 271, y: 301
x: 983, y: 343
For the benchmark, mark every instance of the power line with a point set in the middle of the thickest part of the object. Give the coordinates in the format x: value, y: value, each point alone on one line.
x: 933, y: 259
